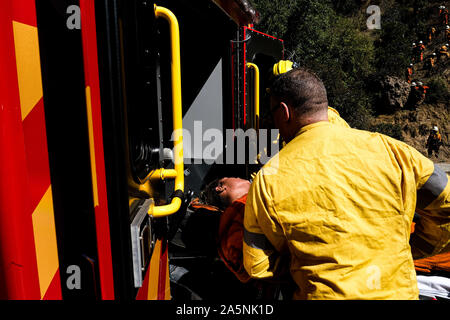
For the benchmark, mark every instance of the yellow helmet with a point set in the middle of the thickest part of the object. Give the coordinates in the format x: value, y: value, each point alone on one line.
x: 282, y: 66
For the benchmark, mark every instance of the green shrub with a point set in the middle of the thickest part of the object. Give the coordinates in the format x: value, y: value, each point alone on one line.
x: 438, y: 91
x: 389, y: 129
x: 424, y: 129
x: 331, y: 45
x: 331, y: 38
x: 394, y: 45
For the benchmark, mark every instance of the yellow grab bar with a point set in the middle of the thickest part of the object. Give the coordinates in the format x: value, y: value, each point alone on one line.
x: 177, y: 119
x: 162, y: 174
x: 256, y: 93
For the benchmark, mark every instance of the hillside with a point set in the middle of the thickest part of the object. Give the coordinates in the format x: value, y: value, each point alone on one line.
x: 415, y: 124
x: 332, y: 38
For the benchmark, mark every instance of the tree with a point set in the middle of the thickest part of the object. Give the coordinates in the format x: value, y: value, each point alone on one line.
x: 394, y: 46
x: 328, y: 44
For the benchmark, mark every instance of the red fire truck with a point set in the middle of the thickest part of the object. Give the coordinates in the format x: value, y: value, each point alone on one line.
x: 95, y: 177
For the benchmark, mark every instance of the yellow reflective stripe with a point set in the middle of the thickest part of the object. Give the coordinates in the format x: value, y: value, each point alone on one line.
x: 92, y: 145
x: 45, y: 241
x: 28, y: 63
x: 153, y: 279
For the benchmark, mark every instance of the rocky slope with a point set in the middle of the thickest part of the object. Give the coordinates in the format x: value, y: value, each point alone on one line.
x: 415, y: 123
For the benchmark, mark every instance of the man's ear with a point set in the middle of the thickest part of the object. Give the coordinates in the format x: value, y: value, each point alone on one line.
x: 286, y: 114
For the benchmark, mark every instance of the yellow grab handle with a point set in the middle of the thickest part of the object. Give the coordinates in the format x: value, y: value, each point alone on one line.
x: 162, y: 174
x: 177, y: 118
x: 256, y: 89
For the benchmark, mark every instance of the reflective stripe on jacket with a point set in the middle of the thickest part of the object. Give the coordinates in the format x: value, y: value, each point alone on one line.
x: 341, y: 202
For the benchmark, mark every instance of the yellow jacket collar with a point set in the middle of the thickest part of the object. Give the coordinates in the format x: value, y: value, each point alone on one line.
x: 312, y: 126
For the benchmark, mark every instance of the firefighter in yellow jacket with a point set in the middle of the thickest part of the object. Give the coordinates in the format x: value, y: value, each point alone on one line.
x: 434, y: 142
x: 339, y: 202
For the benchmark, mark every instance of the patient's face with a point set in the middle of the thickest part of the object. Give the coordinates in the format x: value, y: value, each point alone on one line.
x: 231, y: 189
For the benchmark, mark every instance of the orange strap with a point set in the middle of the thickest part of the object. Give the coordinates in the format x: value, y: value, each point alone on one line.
x: 439, y: 262
x: 196, y: 204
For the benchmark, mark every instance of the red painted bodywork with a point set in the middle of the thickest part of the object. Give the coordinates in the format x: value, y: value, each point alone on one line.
x: 89, y: 37
x: 18, y: 266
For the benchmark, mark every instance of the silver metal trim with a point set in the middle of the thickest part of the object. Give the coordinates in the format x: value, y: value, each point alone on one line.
x: 136, y: 242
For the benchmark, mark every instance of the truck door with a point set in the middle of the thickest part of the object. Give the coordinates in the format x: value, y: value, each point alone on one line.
x: 77, y: 216
x: 136, y: 58
x: 254, y: 55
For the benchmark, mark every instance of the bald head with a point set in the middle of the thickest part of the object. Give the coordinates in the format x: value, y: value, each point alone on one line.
x: 303, y: 90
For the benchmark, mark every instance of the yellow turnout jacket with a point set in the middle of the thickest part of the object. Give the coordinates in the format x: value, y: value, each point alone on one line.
x: 335, y: 118
x: 339, y: 202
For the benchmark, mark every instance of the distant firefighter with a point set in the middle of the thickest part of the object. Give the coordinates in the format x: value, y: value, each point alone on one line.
x: 443, y: 15
x: 420, y: 51
x: 430, y: 34
x: 422, y: 89
x: 417, y: 94
x: 434, y: 142
x: 443, y: 52
x: 414, y: 52
x: 409, y: 72
x: 430, y: 62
